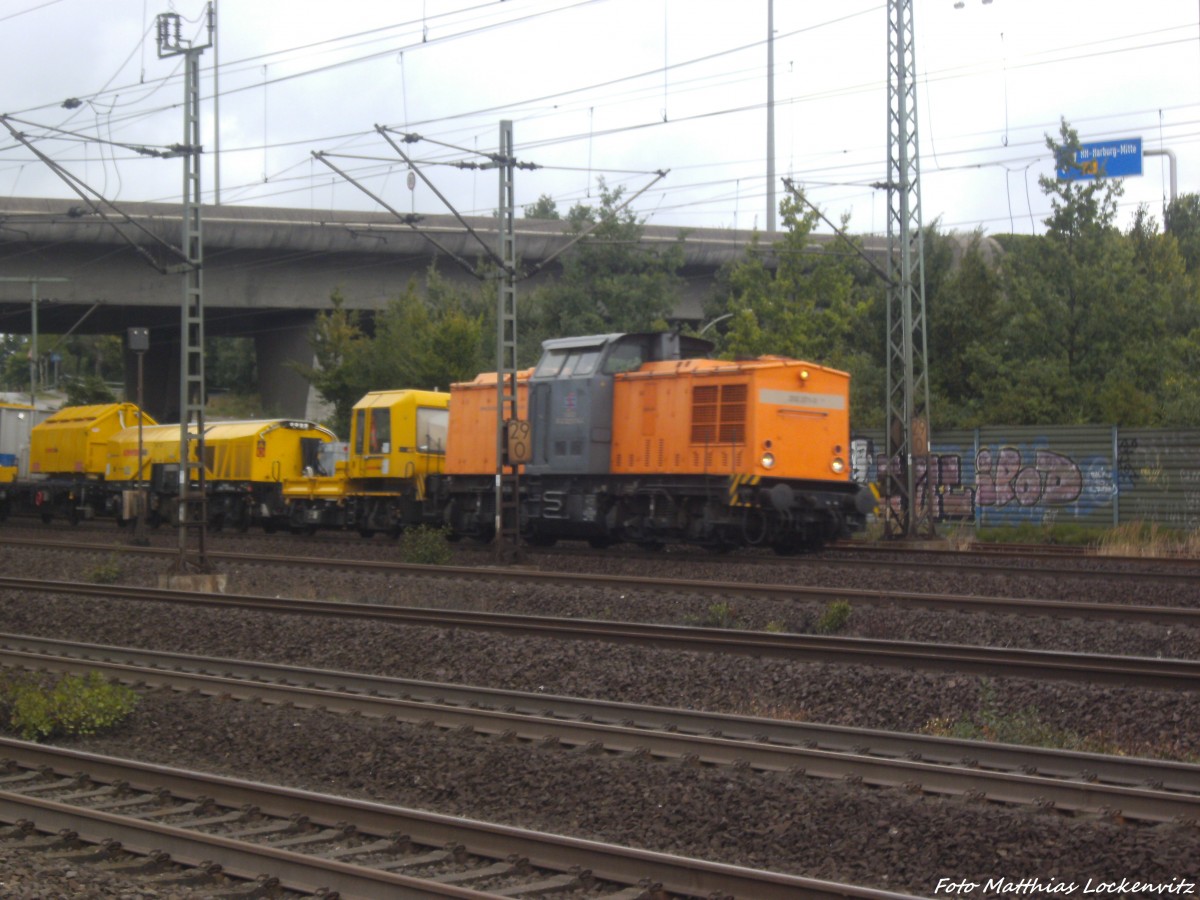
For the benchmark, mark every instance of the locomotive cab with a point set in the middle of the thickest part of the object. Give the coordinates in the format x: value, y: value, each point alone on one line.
x: 571, y: 395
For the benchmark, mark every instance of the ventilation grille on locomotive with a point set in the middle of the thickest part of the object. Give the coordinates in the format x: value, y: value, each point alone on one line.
x: 719, y: 414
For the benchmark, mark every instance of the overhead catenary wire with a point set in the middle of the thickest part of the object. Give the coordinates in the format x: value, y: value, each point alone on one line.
x: 1148, y: 40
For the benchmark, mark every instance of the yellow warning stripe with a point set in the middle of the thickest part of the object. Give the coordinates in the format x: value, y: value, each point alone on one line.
x: 736, y: 482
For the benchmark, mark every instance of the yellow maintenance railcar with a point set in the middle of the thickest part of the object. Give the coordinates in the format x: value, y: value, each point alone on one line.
x: 397, y: 441
x: 245, y: 466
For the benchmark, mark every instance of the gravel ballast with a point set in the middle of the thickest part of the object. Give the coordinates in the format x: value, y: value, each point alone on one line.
x: 784, y: 822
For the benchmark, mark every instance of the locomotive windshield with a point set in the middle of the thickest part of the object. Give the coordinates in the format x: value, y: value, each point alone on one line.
x: 564, y: 363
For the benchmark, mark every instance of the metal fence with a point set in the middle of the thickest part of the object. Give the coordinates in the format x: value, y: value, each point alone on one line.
x: 1089, y: 475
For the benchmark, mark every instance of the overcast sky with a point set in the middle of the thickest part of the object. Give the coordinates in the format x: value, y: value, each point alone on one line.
x: 613, y: 89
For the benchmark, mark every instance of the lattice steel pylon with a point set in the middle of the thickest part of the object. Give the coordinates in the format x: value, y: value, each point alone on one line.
x: 193, y: 506
x: 508, y: 525
x: 907, y: 500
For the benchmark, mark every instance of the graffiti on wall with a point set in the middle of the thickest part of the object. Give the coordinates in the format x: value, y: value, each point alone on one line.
x: 1158, y: 475
x: 1004, y: 483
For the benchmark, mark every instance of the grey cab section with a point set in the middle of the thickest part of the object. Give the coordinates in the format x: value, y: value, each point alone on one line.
x: 571, y: 395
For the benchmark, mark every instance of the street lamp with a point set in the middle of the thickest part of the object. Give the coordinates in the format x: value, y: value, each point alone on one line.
x: 715, y: 321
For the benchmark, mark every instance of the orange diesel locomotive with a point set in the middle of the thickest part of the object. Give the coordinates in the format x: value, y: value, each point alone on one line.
x: 641, y: 438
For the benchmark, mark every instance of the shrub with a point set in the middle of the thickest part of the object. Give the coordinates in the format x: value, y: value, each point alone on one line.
x: 426, y: 546
x: 107, y: 572
x: 1024, y: 726
x: 73, y: 706
x: 717, y: 615
x: 834, y: 618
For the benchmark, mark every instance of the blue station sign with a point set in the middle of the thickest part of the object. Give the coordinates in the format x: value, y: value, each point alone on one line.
x: 1105, y: 159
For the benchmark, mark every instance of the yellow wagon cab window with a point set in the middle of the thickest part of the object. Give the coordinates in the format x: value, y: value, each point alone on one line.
x: 360, y: 429
x: 432, y: 425
x: 381, y: 431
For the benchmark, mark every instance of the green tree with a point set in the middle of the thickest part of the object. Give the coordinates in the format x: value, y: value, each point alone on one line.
x: 544, y: 208
x: 610, y: 281
x: 339, y: 350
x: 418, y: 340
x: 819, y: 302
x: 1164, y: 360
x: 229, y: 364
x: 14, y: 362
x: 963, y: 309
x: 85, y: 390
x: 1183, y: 223
x: 1073, y: 309
x: 424, y: 342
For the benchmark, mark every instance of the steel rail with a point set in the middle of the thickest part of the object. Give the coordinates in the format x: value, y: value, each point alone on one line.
x: 606, y: 861
x: 1154, y: 615
x: 1149, y: 568
x: 1069, y: 782
x: 1126, y: 671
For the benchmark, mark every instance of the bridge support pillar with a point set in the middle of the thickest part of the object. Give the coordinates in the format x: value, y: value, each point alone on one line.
x: 281, y: 344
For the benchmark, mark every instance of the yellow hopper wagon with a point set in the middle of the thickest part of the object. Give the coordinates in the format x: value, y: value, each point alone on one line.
x: 67, y: 459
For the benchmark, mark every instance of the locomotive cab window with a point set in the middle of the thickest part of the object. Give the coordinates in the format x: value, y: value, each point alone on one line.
x: 550, y: 364
x: 623, y: 358
x: 432, y: 426
x: 580, y: 362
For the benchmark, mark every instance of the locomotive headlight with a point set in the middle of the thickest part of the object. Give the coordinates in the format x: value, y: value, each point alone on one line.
x: 838, y: 465
x: 768, y: 460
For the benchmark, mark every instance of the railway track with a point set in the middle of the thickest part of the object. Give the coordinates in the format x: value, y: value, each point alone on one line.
x: 1129, y: 613
x: 1124, y: 788
x: 1124, y: 671
x: 318, y: 844
x: 978, y: 560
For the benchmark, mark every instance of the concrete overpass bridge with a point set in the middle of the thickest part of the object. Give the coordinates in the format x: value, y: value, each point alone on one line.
x: 267, y: 272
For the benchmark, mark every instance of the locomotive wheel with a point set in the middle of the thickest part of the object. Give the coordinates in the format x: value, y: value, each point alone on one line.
x: 47, y: 518
x: 367, y: 533
x: 652, y: 546
x: 541, y: 540
x: 600, y: 543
